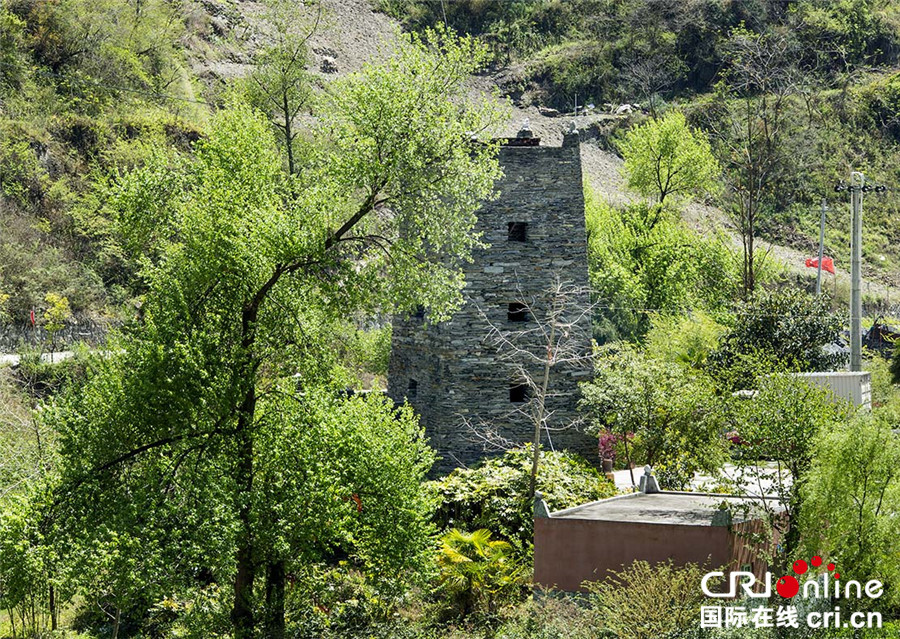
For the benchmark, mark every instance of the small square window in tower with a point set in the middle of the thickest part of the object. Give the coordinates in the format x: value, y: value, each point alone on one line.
x: 517, y: 232
x: 517, y: 312
x: 412, y: 389
x: 518, y: 393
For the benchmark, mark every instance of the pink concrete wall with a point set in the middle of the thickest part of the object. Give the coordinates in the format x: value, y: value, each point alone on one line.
x: 570, y: 551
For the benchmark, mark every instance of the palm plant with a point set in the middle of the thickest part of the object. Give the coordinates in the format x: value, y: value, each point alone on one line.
x: 476, y: 570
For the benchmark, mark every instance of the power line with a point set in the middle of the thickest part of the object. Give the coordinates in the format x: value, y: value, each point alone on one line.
x: 638, y: 309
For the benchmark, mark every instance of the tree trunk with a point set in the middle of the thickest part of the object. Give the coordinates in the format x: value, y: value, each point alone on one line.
x: 792, y: 537
x: 118, y: 619
x: 242, y: 612
x: 288, y: 135
x: 275, y: 578
x: 54, y: 621
x: 539, y: 417
x: 242, y: 617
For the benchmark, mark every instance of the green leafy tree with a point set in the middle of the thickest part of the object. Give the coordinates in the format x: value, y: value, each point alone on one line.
x: 779, y: 427
x: 671, y: 410
x: 255, y: 265
x: 850, y: 499
x: 790, y: 328
x: 643, y: 259
x: 280, y: 84
x: 752, y: 133
x: 665, y: 157
x: 55, y: 316
x: 27, y: 564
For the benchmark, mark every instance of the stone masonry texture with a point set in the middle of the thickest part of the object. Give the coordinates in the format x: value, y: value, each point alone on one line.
x: 449, y: 372
x: 14, y: 336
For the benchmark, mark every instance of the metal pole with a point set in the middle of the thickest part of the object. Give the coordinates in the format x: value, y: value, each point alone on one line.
x: 821, y: 247
x: 857, y: 181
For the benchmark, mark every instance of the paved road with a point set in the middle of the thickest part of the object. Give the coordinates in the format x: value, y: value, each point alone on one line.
x: 763, y: 485
x: 7, y: 359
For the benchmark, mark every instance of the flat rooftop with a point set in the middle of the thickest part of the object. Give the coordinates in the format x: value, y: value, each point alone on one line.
x: 672, y: 508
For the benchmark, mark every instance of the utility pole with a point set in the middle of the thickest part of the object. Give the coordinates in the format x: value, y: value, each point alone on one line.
x: 821, y: 247
x: 857, y: 182
x: 857, y: 187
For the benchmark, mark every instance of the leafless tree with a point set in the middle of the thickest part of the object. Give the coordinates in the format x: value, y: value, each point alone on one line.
x: 646, y: 76
x: 752, y: 128
x: 553, y: 338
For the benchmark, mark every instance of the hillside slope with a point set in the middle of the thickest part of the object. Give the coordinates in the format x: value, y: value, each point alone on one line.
x: 66, y: 119
x: 356, y: 22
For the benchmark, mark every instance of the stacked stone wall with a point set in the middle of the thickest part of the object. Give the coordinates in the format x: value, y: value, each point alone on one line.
x: 449, y: 372
x: 14, y: 336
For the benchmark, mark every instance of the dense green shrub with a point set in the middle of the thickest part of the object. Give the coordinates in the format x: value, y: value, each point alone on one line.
x: 494, y: 495
x: 850, y: 501
x: 644, y: 601
x: 788, y: 327
x: 671, y: 410
x: 684, y: 339
x: 41, y: 378
x: 577, y: 68
x: 880, y: 103
x: 551, y: 615
x: 861, y: 32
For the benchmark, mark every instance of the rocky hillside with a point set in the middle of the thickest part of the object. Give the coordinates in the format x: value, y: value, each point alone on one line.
x: 356, y: 31
x: 84, y: 85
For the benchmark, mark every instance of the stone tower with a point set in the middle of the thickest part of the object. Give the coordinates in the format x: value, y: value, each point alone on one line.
x: 449, y: 372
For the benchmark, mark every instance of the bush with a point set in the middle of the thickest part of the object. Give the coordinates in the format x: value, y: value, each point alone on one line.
x: 494, y: 495
x: 686, y: 339
x: 789, y: 327
x: 644, y: 601
x: 41, y: 378
x: 850, y: 501
x: 550, y: 615
x: 476, y: 572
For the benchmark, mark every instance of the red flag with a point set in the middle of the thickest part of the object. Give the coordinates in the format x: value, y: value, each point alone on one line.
x: 827, y: 264
x: 32, y: 317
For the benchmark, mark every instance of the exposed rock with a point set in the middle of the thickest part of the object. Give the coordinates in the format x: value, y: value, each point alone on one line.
x: 328, y: 65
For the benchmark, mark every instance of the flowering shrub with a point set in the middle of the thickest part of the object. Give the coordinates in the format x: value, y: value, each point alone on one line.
x: 610, y: 444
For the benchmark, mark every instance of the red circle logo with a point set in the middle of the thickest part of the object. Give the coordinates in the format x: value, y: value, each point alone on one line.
x: 787, y: 586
